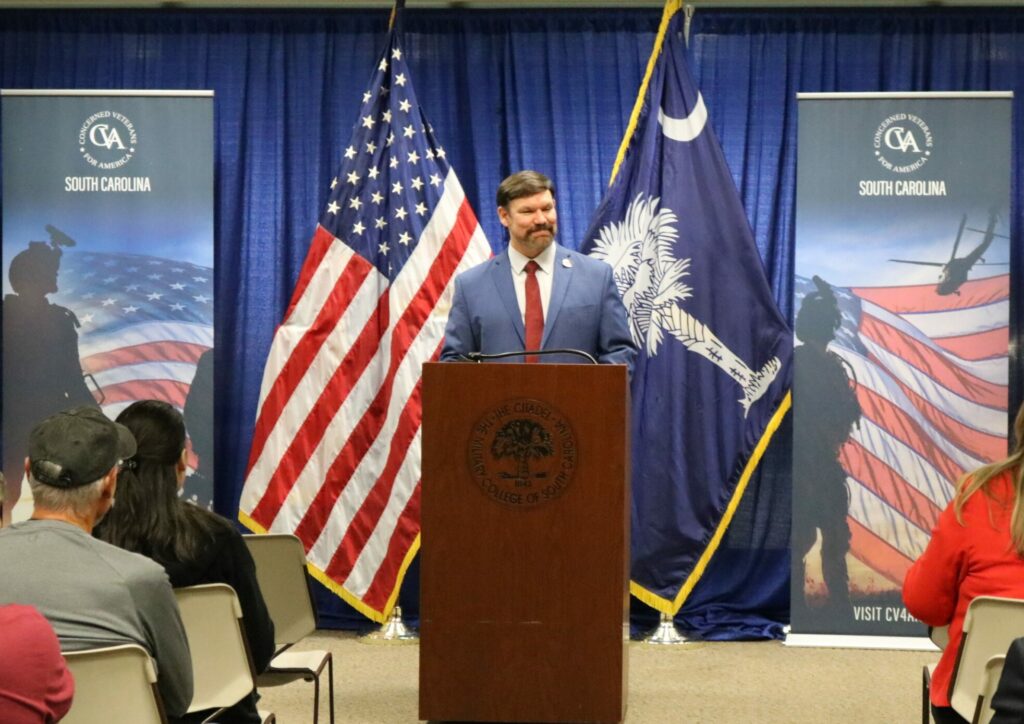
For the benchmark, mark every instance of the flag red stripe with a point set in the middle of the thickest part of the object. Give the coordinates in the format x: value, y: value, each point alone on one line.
x: 165, y: 351
x: 408, y: 327
x: 922, y: 297
x: 933, y: 364
x: 877, y: 554
x: 301, y: 357
x: 334, y: 393
x: 975, y: 443
x: 903, y: 427
x: 318, y: 248
x: 366, y: 520
x: 386, y: 577
x: 875, y: 475
x: 170, y: 391
x: 978, y: 345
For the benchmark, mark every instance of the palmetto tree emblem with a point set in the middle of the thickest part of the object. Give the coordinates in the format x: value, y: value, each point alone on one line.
x: 522, y: 440
x: 640, y: 249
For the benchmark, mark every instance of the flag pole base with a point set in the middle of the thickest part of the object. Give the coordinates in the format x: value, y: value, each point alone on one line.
x: 666, y: 634
x: 394, y: 629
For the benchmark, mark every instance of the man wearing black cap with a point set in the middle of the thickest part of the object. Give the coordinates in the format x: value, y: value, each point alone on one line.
x: 93, y: 594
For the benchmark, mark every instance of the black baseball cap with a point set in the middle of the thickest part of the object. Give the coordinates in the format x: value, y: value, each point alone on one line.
x: 76, y: 447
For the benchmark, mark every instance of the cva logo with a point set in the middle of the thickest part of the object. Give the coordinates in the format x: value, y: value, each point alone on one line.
x: 909, y: 137
x: 103, y: 135
x: 902, y: 139
x: 107, y: 140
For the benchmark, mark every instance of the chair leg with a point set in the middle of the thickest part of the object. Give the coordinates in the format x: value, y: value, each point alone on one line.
x: 926, y: 712
x: 330, y: 684
x: 316, y: 699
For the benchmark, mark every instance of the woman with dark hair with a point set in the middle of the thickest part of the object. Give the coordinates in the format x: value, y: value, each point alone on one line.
x: 976, y: 549
x: 193, y: 545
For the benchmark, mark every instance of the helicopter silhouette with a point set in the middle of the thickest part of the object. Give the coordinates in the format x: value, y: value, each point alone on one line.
x: 954, y: 272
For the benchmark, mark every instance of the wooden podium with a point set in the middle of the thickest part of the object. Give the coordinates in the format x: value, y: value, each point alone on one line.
x: 525, y: 543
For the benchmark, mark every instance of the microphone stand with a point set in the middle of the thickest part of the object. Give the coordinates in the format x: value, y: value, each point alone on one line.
x: 481, y: 357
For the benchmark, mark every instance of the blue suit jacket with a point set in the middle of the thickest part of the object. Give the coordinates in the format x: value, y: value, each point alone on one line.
x: 585, y: 312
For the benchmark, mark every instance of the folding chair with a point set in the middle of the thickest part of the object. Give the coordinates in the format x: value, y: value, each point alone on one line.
x: 222, y: 672
x: 126, y: 670
x: 990, y: 625
x: 983, y: 712
x: 281, y: 572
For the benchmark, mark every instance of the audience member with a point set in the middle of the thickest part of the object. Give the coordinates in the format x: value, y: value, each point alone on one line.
x: 976, y: 549
x: 92, y: 593
x: 35, y: 684
x: 1008, y: 701
x: 193, y: 545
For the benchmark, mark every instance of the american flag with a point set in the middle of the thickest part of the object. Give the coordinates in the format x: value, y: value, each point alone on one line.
x: 335, y: 455
x: 932, y: 382
x: 145, y: 321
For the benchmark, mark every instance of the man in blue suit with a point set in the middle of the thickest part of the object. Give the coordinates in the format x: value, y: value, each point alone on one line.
x: 537, y: 295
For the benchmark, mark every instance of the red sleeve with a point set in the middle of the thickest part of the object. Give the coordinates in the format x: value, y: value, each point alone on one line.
x: 932, y: 584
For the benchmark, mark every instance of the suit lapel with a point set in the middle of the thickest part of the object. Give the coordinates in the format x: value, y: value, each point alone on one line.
x: 561, y: 276
x: 501, y: 275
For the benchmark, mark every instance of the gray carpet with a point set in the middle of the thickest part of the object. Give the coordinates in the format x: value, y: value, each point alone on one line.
x: 376, y: 683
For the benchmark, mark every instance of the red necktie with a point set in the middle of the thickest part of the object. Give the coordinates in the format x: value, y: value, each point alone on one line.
x: 534, y: 311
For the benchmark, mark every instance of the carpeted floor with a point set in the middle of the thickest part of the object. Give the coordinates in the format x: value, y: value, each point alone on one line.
x: 720, y: 683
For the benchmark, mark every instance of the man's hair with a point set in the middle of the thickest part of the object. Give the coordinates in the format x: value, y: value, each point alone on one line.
x: 79, y: 500
x: 523, y: 183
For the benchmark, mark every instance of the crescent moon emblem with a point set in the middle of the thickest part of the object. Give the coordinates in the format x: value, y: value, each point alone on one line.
x: 684, y: 129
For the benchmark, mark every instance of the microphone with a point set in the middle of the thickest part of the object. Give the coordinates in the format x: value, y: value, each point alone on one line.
x: 481, y: 357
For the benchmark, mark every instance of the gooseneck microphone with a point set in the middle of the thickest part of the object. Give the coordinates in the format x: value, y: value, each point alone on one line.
x: 481, y: 357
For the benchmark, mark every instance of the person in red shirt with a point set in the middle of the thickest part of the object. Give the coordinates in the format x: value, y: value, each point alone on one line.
x: 35, y: 684
x: 976, y: 549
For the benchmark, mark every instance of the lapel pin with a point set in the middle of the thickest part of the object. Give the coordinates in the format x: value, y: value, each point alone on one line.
x: 567, y: 263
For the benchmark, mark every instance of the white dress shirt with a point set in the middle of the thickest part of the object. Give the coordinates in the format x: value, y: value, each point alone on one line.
x: 545, y: 275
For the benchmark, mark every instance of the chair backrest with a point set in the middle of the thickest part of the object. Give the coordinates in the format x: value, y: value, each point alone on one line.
x: 221, y: 667
x: 990, y: 625
x: 939, y: 636
x: 281, y: 573
x: 125, y: 670
x: 983, y: 713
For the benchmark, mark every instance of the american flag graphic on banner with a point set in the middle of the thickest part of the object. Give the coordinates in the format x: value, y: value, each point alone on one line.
x: 145, y: 323
x: 931, y: 378
x: 335, y: 455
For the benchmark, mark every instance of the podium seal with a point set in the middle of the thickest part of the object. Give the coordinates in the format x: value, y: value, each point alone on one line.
x: 522, y: 453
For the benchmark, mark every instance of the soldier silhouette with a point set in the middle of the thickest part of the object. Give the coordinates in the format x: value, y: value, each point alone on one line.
x: 41, y: 370
x: 825, y: 409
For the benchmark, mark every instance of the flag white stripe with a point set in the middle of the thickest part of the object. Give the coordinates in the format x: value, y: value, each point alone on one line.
x: 376, y: 548
x: 969, y: 413
x: 178, y: 371
x: 877, y: 516
x: 875, y: 380
x: 306, y: 310
x: 906, y: 462
x: 301, y: 402
x: 146, y: 333
x: 995, y: 370
x: 311, y: 478
x: 958, y: 322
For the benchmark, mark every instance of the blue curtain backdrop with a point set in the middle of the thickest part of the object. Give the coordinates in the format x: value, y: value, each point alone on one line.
x: 551, y: 90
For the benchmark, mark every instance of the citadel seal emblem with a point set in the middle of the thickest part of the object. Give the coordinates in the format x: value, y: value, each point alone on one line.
x: 522, y: 453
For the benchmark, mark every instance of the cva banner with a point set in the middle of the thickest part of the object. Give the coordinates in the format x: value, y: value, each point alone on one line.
x: 901, y: 359
x: 107, y: 263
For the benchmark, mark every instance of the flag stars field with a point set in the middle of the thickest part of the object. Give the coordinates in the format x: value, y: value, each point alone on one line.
x: 150, y: 332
